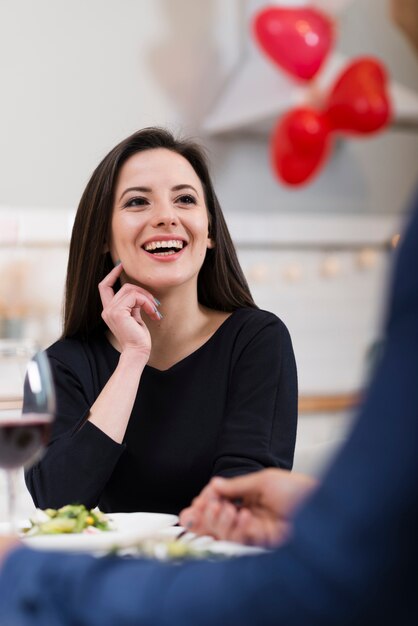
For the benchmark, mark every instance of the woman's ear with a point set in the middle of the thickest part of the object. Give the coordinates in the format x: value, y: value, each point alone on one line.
x: 210, y: 244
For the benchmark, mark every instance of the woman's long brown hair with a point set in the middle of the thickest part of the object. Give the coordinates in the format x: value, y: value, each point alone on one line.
x: 221, y: 282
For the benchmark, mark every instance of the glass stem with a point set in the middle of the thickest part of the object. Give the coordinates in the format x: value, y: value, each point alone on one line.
x: 11, y: 499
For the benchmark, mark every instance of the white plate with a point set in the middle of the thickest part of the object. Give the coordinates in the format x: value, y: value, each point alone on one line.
x: 129, y: 529
x: 205, y: 542
x: 230, y: 548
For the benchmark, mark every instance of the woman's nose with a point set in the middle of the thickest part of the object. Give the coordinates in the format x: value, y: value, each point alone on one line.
x: 164, y: 215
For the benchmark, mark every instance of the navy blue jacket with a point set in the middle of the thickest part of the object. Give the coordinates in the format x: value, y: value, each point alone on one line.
x: 353, y: 558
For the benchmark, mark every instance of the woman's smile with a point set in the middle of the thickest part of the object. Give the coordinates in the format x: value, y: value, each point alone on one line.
x: 165, y: 248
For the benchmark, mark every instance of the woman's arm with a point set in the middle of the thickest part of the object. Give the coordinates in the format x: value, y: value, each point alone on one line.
x: 80, y: 458
x: 88, y: 433
x: 122, y: 314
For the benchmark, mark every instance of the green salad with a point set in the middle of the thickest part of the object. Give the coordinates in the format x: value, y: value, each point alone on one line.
x: 72, y: 518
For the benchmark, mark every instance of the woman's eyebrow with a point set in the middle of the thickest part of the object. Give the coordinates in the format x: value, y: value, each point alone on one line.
x: 143, y: 189
x: 184, y: 186
x: 149, y: 190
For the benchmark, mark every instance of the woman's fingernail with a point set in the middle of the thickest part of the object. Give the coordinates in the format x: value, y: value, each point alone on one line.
x: 157, y: 302
x: 160, y: 315
x: 118, y: 262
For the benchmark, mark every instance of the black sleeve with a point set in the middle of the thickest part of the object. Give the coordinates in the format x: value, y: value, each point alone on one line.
x: 80, y: 458
x: 259, y: 428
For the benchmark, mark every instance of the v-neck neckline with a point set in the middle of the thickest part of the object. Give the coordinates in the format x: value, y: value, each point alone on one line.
x: 188, y: 356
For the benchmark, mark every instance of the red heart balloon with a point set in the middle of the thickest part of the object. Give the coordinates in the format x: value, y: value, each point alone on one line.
x: 359, y: 101
x: 299, y: 145
x: 298, y: 40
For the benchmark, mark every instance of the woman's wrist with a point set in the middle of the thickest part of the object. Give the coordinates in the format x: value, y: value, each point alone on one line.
x: 134, y: 357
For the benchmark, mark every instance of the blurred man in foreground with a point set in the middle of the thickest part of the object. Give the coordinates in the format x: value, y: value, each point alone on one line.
x: 351, y: 556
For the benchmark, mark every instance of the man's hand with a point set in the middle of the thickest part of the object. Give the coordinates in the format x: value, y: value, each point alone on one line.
x: 255, y: 509
x: 7, y: 543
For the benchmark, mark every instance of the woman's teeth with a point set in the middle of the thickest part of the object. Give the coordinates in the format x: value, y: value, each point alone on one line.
x: 164, y: 253
x: 164, y: 248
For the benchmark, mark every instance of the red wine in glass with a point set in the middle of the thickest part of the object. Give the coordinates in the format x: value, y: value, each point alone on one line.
x: 24, y: 435
x: 23, y: 439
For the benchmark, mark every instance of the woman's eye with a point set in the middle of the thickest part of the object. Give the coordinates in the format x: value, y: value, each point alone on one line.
x: 136, y: 202
x: 187, y: 199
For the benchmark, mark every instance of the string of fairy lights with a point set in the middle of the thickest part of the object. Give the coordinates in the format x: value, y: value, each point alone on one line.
x: 330, y: 264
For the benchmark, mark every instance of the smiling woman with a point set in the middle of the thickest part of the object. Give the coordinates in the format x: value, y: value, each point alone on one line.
x: 166, y: 373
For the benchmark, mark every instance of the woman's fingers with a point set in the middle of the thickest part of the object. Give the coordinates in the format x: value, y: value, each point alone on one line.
x: 239, y: 529
x: 206, y: 495
x: 242, y: 489
x: 217, y: 519
x: 131, y: 301
x: 106, y: 285
x: 192, y: 516
x: 226, y: 521
x: 200, y: 502
x: 212, y: 514
x: 134, y: 296
x: 223, y: 520
x: 128, y: 287
x: 262, y: 531
x: 108, y: 295
x: 136, y: 299
x: 187, y: 517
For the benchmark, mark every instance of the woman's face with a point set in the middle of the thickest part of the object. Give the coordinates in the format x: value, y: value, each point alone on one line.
x: 159, y: 226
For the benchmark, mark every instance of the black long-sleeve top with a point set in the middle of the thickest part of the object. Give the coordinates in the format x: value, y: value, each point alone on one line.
x: 228, y: 408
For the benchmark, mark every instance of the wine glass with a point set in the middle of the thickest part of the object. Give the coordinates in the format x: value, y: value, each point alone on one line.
x: 24, y: 433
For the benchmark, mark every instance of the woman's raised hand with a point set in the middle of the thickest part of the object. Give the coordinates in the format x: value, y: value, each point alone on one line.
x: 122, y: 312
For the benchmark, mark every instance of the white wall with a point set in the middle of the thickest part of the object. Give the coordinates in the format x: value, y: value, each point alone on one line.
x: 77, y: 77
